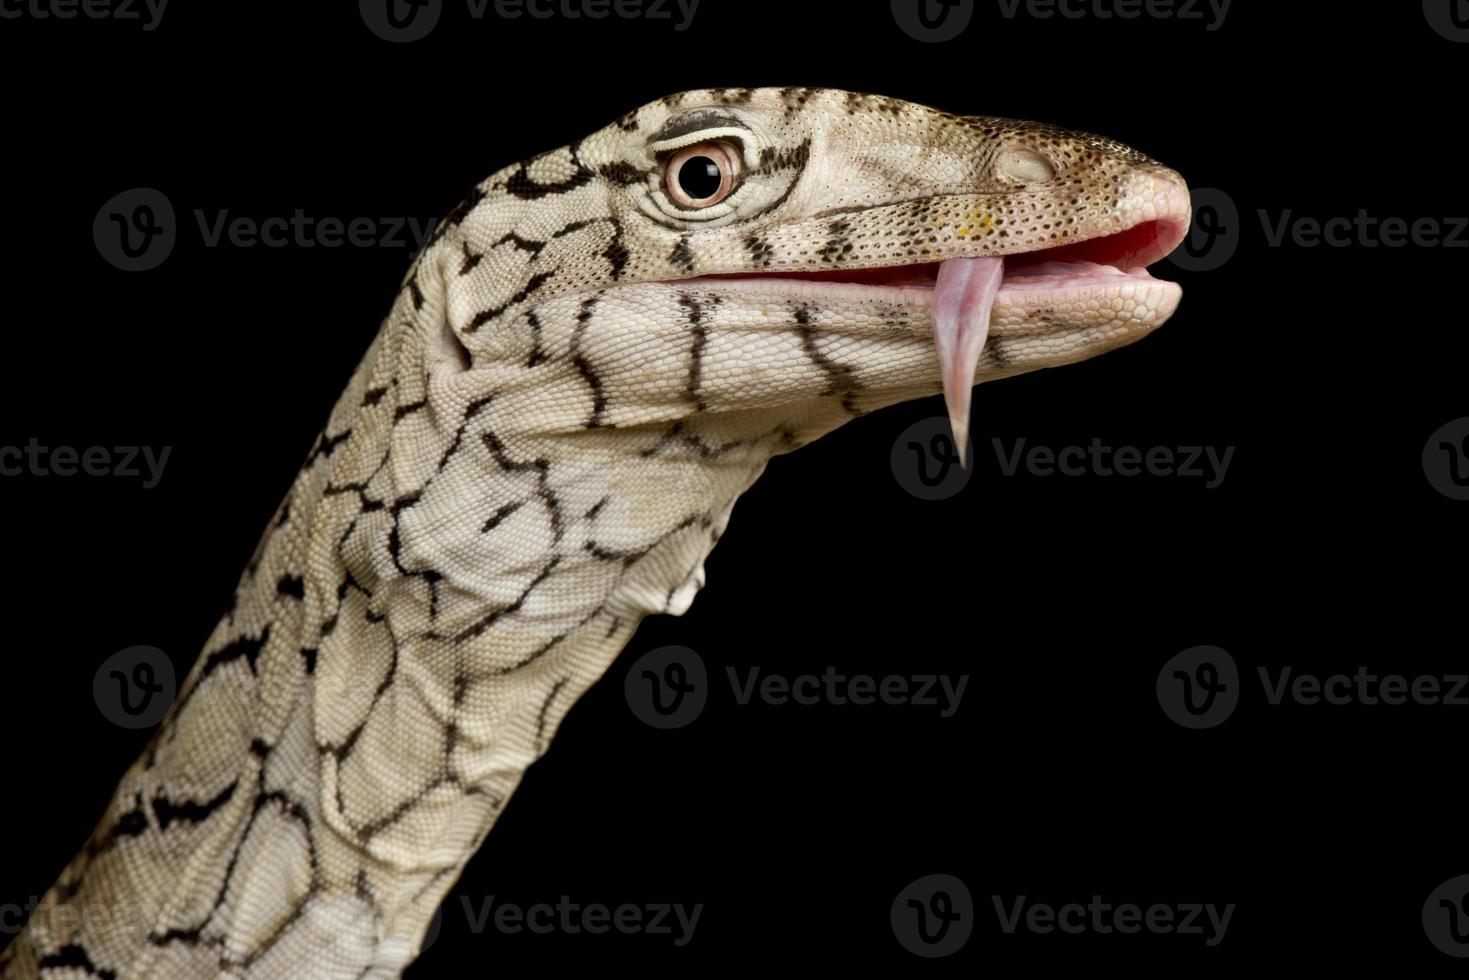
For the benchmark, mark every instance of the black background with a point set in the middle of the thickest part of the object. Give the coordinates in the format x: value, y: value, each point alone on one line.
x: 1059, y: 778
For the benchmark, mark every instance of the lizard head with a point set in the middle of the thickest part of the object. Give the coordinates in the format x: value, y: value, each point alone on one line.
x: 794, y: 257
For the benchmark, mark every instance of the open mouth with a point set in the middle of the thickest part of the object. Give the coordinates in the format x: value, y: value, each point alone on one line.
x: 962, y: 292
x: 1124, y: 253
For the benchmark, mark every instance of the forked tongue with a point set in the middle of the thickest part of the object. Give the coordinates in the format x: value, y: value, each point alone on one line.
x: 962, y: 300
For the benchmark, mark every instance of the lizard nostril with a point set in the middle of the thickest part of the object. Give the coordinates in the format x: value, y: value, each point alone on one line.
x: 1025, y: 165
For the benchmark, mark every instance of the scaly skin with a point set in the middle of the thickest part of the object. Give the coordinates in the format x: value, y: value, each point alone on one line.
x: 540, y: 448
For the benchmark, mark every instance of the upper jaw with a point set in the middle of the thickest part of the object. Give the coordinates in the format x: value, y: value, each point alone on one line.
x: 1151, y: 219
x: 1106, y: 261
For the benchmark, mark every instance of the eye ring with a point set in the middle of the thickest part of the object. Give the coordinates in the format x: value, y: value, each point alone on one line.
x: 701, y: 175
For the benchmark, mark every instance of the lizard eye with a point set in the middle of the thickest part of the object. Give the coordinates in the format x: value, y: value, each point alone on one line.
x: 701, y: 175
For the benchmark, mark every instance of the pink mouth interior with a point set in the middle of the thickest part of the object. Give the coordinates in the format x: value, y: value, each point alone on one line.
x: 964, y: 291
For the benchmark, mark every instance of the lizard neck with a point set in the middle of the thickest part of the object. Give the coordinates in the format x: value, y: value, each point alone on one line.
x: 437, y: 590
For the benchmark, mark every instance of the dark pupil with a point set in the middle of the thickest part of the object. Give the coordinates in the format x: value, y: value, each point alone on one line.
x: 699, y: 177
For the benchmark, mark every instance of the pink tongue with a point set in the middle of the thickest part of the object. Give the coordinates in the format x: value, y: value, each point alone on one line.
x: 962, y: 300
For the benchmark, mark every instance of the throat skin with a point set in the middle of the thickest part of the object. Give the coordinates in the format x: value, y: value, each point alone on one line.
x: 575, y: 383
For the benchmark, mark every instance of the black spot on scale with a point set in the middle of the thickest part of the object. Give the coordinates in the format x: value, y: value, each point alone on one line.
x: 681, y: 256
x: 545, y: 708
x: 573, y: 227
x: 599, y: 396
x: 470, y: 259
x: 462, y: 209
x: 696, y: 350
x: 735, y: 96
x: 622, y: 173
x: 528, y: 245
x: 521, y: 295
x: 616, y: 252
x: 74, y: 957
x: 536, y: 354
x: 499, y: 515
x: 839, y: 245
x: 456, y: 217
x: 693, y: 122
x: 326, y: 445
x: 760, y: 250
x: 795, y: 99
x: 842, y: 379
x: 168, y: 812
x: 774, y: 158
x: 243, y: 648
x: 403, y: 411
x: 522, y: 186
